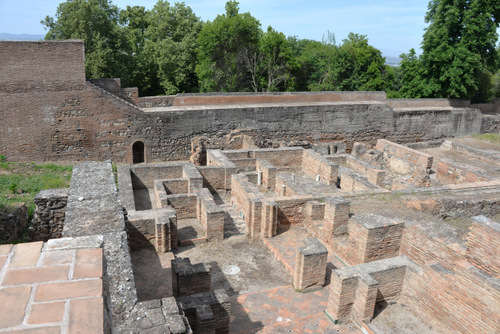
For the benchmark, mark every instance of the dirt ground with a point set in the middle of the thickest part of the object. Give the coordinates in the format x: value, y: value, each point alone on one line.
x: 259, y: 269
x: 398, y: 318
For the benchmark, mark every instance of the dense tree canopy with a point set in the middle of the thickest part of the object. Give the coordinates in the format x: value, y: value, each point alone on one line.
x: 168, y: 50
x: 223, y: 48
x: 459, y: 51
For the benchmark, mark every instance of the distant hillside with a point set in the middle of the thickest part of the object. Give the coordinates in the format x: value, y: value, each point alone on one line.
x: 392, y: 61
x: 20, y: 37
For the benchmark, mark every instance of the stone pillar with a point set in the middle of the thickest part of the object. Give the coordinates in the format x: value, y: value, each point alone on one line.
x: 259, y: 178
x: 310, y: 266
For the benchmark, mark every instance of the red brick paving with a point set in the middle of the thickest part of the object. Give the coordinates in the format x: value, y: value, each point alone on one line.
x: 282, y: 310
x: 50, y: 291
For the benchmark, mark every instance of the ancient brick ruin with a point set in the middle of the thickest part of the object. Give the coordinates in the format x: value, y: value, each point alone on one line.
x: 272, y: 213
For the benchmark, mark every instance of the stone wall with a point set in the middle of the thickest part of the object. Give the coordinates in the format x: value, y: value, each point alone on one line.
x: 12, y: 222
x: 48, y: 221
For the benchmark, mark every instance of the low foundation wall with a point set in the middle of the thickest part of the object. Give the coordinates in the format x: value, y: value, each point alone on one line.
x: 48, y: 222
x: 402, y: 159
x: 454, y: 173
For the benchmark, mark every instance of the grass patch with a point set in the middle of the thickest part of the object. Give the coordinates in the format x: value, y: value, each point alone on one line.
x: 20, y: 182
x: 488, y: 137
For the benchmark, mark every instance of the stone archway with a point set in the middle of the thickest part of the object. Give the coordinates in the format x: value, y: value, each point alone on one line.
x: 138, y: 152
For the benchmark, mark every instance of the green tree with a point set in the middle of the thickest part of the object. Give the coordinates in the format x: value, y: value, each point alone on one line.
x: 96, y: 22
x: 140, y: 70
x: 315, y: 64
x: 170, y: 44
x: 271, y: 64
x: 459, y: 51
x: 224, y: 45
x: 361, y: 67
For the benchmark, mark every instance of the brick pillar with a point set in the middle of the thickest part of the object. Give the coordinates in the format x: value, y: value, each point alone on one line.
x: 165, y: 234
x: 337, y: 212
x: 364, y: 302
x: 342, y: 293
x: 205, y: 320
x: 188, y: 279
x: 310, y: 266
x: 255, y: 219
x: 222, y: 311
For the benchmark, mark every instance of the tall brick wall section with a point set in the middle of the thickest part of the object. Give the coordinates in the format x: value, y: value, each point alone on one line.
x: 189, y: 279
x: 461, y: 296
x: 41, y: 66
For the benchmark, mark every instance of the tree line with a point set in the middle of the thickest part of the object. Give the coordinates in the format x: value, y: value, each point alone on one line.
x: 169, y: 50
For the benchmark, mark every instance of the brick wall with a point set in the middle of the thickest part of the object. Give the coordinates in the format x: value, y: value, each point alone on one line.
x: 268, y: 173
x: 49, y: 113
x: 374, y: 175
x: 41, y: 66
x: 176, y: 186
x: 449, y: 172
x: 310, y: 266
x: 314, y: 164
x: 461, y: 297
x: 282, y: 157
x: 403, y: 159
x: 210, y: 215
x: 355, y: 290
x: 184, y: 205
x: 483, y: 243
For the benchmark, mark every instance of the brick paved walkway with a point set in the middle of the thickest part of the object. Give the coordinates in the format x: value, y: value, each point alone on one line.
x: 56, y: 291
x: 282, y: 310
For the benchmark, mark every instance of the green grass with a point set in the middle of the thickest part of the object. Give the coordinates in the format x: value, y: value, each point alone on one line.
x: 20, y: 182
x: 489, y: 137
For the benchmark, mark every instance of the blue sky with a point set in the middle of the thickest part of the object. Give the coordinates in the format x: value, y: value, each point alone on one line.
x: 393, y: 26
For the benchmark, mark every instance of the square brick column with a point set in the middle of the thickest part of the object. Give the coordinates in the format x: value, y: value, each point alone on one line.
x: 310, y: 266
x: 188, y: 279
x: 205, y: 320
x: 337, y: 212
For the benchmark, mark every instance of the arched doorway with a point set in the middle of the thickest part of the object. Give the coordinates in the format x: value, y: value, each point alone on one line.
x: 138, y: 152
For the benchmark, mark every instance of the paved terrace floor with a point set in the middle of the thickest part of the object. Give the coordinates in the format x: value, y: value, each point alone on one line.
x: 50, y: 290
